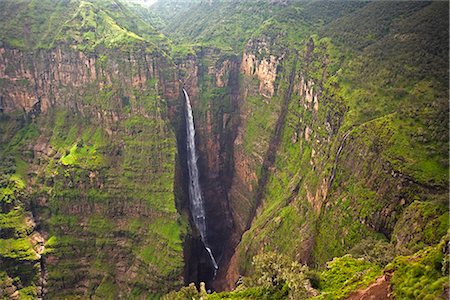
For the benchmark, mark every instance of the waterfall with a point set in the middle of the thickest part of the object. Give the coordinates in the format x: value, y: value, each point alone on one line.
x: 333, y: 172
x: 195, y: 193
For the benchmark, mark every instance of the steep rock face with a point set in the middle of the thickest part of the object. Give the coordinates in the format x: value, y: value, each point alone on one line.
x: 99, y: 171
x: 61, y: 76
x: 211, y: 79
x: 265, y: 70
x: 259, y: 111
x: 255, y: 144
x: 333, y: 175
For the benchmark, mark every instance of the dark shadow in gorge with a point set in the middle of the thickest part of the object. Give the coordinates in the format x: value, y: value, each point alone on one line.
x: 216, y: 183
x: 215, y: 179
x: 198, y: 266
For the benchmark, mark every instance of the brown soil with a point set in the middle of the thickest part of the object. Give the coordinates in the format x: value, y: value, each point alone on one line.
x: 377, y: 291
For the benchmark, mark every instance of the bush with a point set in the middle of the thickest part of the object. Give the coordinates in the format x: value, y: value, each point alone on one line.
x: 275, y: 270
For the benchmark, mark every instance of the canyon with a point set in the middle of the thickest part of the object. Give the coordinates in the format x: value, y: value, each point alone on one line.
x: 135, y: 162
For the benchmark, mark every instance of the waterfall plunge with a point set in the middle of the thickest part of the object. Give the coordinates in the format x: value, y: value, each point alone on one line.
x: 195, y: 193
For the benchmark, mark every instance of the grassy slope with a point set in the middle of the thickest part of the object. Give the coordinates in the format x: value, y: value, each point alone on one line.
x: 84, y: 24
x: 219, y: 24
x: 398, y: 98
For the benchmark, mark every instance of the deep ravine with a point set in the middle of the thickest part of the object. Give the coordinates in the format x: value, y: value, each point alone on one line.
x: 195, y: 194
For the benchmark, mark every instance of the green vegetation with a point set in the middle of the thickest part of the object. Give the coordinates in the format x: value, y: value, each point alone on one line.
x: 20, y: 249
x: 260, y: 125
x: 90, y: 177
x: 13, y: 223
x: 346, y: 274
x: 81, y: 155
x: 359, y: 174
x: 165, y: 244
x: 83, y: 24
x: 90, y: 27
x: 423, y: 275
x: 198, y: 23
x: 113, y: 181
x: 422, y: 224
x: 18, y: 257
x: 276, y: 276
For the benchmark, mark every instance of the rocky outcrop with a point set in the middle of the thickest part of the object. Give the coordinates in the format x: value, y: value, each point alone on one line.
x: 309, y: 93
x: 265, y: 70
x: 261, y: 59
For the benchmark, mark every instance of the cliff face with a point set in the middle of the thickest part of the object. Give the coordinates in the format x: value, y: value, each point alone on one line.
x: 265, y: 70
x: 260, y: 109
x: 338, y: 171
x: 98, y: 172
x: 211, y: 79
x: 59, y: 77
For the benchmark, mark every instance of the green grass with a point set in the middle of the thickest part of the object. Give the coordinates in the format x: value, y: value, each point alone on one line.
x: 28, y: 293
x: 100, y: 225
x: 82, y: 156
x: 12, y: 189
x: 423, y: 275
x: 85, y: 25
x: 106, y: 290
x: 252, y: 293
x: 259, y: 127
x: 199, y: 24
x: 166, y: 242
x: 13, y: 223
x: 346, y: 274
x: 19, y: 249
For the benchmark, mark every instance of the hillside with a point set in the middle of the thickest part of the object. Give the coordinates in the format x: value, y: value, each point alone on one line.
x: 321, y: 134
x: 85, y: 100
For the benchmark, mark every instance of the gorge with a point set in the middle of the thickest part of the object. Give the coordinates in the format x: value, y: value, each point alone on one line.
x: 195, y: 192
x: 270, y: 149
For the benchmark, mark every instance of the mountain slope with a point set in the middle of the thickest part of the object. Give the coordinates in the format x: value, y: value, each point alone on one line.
x: 83, y: 24
x: 357, y: 152
x: 88, y: 154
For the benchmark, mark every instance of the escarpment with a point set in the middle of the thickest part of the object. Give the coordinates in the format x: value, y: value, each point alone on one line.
x: 331, y: 174
x: 100, y: 157
x: 320, y: 144
x: 64, y: 77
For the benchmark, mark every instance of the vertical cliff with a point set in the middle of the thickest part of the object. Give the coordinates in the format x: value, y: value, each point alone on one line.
x: 342, y: 168
x: 89, y: 164
x: 211, y: 79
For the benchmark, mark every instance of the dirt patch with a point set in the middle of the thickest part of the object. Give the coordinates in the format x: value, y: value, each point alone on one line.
x: 379, y: 290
